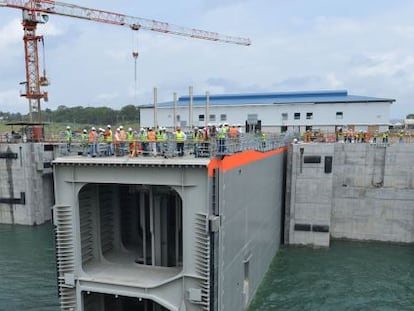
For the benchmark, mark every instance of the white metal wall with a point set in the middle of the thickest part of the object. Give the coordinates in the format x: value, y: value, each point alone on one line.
x: 373, y: 113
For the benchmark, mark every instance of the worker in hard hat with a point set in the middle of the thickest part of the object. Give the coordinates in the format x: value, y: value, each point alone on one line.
x: 93, y: 141
x: 130, y: 137
x: 143, y: 139
x: 117, y: 142
x: 108, y: 138
x: 152, y: 141
x: 84, y: 142
x: 123, y: 139
x: 68, y: 138
x: 180, y: 138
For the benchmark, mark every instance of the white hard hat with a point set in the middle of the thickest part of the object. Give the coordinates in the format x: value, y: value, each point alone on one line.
x: 129, y: 129
x: 68, y: 127
x: 142, y: 129
x: 93, y: 128
x: 118, y: 129
x: 121, y: 127
x: 108, y: 126
x: 85, y: 131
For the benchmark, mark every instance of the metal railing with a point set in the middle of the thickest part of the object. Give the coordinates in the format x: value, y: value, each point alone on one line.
x: 213, y: 147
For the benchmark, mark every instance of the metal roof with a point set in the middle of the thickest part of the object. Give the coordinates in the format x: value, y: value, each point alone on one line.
x: 279, y: 98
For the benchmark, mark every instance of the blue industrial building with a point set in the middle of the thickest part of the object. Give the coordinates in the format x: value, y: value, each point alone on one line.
x: 276, y: 112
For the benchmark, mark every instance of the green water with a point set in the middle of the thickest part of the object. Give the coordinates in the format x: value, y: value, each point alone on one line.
x: 348, y: 276
x: 27, y: 268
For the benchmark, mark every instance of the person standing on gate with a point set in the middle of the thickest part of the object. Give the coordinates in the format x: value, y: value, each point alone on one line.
x: 180, y: 139
x: 68, y: 138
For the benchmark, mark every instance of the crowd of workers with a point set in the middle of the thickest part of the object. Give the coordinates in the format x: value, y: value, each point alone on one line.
x: 351, y: 136
x: 149, y: 141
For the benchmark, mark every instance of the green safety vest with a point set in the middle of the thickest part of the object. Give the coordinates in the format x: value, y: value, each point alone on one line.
x: 68, y: 135
x: 179, y: 137
x: 130, y: 136
x: 222, y: 133
x: 143, y: 136
x: 84, y: 137
x: 159, y: 137
x: 109, y: 137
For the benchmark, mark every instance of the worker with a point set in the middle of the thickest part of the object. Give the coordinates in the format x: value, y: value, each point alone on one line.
x: 161, y: 139
x: 93, y: 142
x: 375, y: 136
x: 117, y: 142
x: 143, y: 139
x: 131, y: 141
x: 401, y: 136
x: 152, y: 141
x: 180, y: 138
x: 200, y: 148
x: 263, y: 140
x: 68, y: 138
x: 221, y: 138
x: 123, y: 139
x: 84, y: 142
x: 307, y: 136
x: 385, y: 137
x: 108, y: 139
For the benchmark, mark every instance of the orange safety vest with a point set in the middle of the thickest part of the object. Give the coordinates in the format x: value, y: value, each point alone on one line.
x: 151, y: 136
x: 233, y: 132
x: 92, y: 136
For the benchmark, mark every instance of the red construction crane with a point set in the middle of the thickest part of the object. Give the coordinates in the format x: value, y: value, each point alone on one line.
x: 36, y: 12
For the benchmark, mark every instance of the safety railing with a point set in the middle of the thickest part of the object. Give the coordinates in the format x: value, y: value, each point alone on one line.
x: 364, y: 137
x: 169, y: 148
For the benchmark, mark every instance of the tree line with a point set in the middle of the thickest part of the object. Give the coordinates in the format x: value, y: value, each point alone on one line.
x: 81, y: 115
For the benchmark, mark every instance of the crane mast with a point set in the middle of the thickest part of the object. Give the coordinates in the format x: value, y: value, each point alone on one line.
x: 37, y: 11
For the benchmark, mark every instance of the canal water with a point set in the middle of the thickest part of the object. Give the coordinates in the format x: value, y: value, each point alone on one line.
x: 347, y: 276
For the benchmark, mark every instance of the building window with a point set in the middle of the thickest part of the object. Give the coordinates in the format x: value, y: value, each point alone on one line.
x: 309, y: 115
x: 178, y: 118
x: 212, y: 117
x: 200, y: 117
x: 308, y: 128
x: 284, y: 116
x: 283, y: 128
x: 339, y: 115
x: 297, y: 116
x: 223, y: 117
x: 252, y: 118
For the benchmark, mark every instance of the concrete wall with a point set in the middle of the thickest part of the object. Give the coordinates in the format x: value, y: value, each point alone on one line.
x: 26, y: 183
x: 368, y: 196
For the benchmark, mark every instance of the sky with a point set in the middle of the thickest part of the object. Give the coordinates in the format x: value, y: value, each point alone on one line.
x: 363, y: 46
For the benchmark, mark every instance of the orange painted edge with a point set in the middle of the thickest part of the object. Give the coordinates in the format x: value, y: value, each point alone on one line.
x: 240, y: 159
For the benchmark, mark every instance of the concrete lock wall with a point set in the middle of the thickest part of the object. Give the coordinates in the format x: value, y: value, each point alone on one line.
x: 26, y: 183
x: 368, y: 195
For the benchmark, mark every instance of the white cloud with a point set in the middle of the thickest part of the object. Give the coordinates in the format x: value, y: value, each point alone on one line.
x: 11, y: 35
x: 297, y: 45
x: 12, y: 102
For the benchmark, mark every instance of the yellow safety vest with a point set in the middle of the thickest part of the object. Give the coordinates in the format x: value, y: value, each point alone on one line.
x: 179, y: 137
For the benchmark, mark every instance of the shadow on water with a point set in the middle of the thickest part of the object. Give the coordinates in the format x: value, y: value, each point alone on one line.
x: 347, y: 276
x: 27, y: 268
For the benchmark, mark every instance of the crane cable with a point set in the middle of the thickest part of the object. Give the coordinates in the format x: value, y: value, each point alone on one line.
x: 44, y: 81
x: 135, y: 55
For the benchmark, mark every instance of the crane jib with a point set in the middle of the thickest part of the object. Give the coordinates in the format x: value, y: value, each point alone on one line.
x: 101, y: 16
x: 38, y: 11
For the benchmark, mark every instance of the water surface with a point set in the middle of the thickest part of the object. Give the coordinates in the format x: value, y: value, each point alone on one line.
x: 347, y: 276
